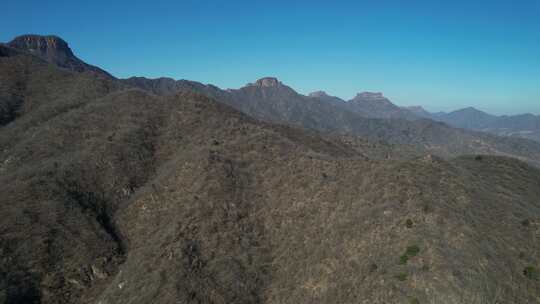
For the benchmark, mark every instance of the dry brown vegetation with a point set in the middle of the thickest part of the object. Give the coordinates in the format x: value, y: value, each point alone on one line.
x: 120, y: 196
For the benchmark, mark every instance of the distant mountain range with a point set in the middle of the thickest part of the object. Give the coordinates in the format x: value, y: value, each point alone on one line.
x: 371, y: 105
x: 524, y: 125
x: 368, y: 115
x: 365, y: 104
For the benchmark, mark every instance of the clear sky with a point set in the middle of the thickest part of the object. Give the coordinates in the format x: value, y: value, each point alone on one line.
x: 441, y: 54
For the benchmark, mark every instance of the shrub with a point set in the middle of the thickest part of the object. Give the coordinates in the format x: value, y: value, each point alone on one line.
x: 409, y: 223
x: 403, y: 259
x: 410, y: 252
x: 414, y: 301
x: 402, y: 276
x: 373, y: 267
x: 531, y: 273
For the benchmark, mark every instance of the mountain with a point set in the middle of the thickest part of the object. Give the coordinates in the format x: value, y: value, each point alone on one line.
x: 468, y: 118
x: 323, y: 96
x: 518, y: 122
x: 370, y: 105
x: 54, y: 50
x: 169, y: 86
x: 270, y: 100
x: 419, y: 111
x: 521, y: 126
x: 375, y: 105
x: 115, y: 195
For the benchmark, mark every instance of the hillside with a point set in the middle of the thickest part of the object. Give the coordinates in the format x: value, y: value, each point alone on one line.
x: 121, y: 196
x: 270, y: 100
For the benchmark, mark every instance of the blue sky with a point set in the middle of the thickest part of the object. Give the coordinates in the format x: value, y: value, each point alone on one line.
x: 443, y: 55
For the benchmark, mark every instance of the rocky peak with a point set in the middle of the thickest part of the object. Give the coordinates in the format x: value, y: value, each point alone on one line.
x: 267, y: 82
x: 52, y: 48
x: 370, y: 96
x: 55, y: 50
x: 318, y: 94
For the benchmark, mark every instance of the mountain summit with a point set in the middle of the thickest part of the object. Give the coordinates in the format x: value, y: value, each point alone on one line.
x: 55, y: 50
x: 376, y: 105
x: 318, y: 94
x: 469, y: 118
x: 370, y: 96
x: 267, y: 82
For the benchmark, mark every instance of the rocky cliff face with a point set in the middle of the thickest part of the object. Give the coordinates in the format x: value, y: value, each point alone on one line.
x: 54, y: 50
x: 370, y: 96
x: 267, y: 82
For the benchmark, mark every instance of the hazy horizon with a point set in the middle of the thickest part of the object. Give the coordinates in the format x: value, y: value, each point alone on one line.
x: 443, y: 57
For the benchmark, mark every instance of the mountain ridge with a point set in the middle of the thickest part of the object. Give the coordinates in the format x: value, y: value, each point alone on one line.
x: 522, y: 125
x: 55, y: 50
x: 272, y: 101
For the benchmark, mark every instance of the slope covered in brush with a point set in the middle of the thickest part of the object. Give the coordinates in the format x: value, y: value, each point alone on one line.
x: 121, y: 196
